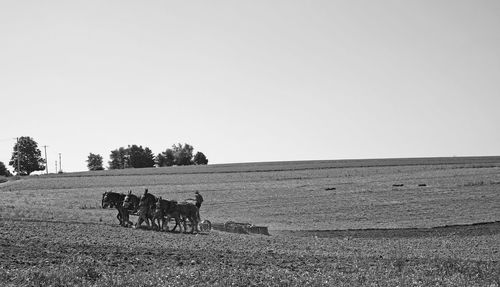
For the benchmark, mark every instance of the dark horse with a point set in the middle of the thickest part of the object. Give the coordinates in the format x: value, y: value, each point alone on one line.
x: 180, y: 211
x: 114, y: 199
x: 144, y: 207
x: 190, y: 212
x: 164, y: 211
x: 130, y: 205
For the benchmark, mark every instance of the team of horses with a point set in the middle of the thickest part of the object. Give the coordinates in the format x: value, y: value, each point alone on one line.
x: 154, y: 211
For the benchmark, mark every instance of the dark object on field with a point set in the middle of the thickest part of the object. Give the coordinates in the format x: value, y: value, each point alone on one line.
x: 242, y: 228
x: 398, y: 184
x: 147, y: 205
x: 131, y: 203
x: 205, y: 225
x: 130, y: 207
x: 330, y: 188
x: 422, y: 184
x: 190, y: 212
x: 112, y: 199
x: 198, y: 198
x: 152, y: 210
x: 164, y: 211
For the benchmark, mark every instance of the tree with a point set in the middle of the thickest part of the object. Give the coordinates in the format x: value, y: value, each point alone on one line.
x: 118, y: 158
x: 183, y: 155
x: 200, y: 158
x: 165, y: 158
x: 149, y: 158
x: 3, y: 170
x: 132, y: 156
x: 29, y: 156
x: 140, y: 157
x: 94, y: 162
x: 160, y: 160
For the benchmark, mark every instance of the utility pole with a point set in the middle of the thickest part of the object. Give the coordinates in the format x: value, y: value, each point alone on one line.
x: 55, y: 170
x: 46, y: 162
x: 60, y: 168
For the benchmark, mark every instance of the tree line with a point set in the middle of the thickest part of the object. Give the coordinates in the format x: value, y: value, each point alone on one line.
x: 135, y: 156
x: 27, y: 158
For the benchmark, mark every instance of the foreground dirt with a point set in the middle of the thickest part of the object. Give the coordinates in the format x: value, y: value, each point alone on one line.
x: 45, y: 253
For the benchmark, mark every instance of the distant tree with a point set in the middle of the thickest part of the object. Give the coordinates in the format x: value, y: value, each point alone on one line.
x: 94, y: 162
x: 140, y: 157
x: 165, y: 158
x: 183, y: 155
x: 133, y: 156
x: 160, y: 160
x: 118, y: 159
x: 169, y: 157
x: 29, y: 156
x: 200, y: 158
x: 3, y: 170
x: 149, y: 157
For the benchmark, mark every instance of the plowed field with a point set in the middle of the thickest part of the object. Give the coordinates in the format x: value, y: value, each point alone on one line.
x: 331, y: 224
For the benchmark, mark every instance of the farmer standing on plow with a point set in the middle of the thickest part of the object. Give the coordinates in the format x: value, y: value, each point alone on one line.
x: 198, y: 198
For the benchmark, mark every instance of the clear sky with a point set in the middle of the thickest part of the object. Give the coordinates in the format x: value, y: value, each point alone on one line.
x: 246, y: 81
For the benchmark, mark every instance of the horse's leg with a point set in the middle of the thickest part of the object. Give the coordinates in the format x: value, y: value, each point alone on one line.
x: 129, y: 222
x: 161, y: 222
x: 125, y: 216
x: 193, y: 224
x: 153, y: 223
x: 177, y: 223
x: 119, y: 217
x: 166, y: 219
x: 157, y: 219
x: 184, y: 223
x: 146, y: 219
x: 139, y: 221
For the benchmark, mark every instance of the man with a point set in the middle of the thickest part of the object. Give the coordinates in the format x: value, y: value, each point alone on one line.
x: 198, y: 199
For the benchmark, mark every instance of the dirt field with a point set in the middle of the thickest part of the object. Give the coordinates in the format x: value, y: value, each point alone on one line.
x: 42, y: 253
x: 331, y: 224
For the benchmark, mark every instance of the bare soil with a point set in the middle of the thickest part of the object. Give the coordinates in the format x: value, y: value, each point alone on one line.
x: 58, y: 253
x: 476, y: 229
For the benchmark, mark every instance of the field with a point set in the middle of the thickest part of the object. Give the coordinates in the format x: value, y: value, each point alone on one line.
x: 392, y: 222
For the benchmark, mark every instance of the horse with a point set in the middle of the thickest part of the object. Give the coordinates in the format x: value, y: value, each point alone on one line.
x: 130, y: 206
x: 131, y: 202
x: 166, y: 208
x: 114, y: 199
x: 191, y: 212
x: 145, y: 209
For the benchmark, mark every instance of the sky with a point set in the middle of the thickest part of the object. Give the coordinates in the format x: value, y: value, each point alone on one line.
x: 250, y: 81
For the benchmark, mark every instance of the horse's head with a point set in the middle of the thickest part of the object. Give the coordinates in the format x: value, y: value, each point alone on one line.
x: 128, y: 201
x: 105, y: 200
